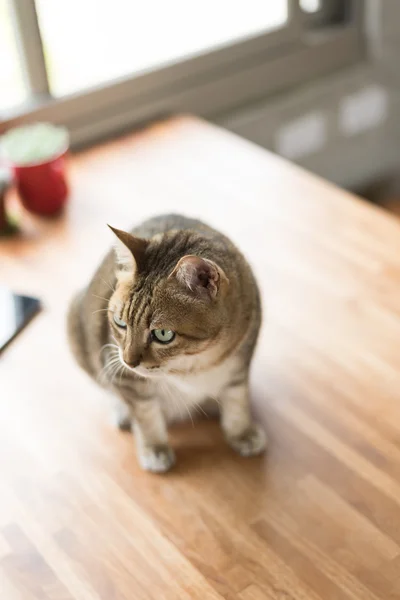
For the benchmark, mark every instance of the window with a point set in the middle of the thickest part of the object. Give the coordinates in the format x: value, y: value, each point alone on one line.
x: 99, y: 66
x: 311, y: 6
x: 130, y: 37
x: 13, y: 91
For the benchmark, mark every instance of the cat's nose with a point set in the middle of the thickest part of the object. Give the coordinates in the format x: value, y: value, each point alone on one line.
x: 132, y: 357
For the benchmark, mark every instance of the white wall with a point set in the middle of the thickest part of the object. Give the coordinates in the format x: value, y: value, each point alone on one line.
x: 346, y: 126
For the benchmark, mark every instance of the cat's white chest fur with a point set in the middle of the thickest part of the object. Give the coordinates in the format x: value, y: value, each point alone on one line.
x: 179, y: 394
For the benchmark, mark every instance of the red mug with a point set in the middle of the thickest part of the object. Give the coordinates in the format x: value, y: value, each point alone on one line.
x: 43, y: 187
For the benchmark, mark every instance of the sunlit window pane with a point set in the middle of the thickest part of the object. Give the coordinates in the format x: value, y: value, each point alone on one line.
x: 89, y: 42
x: 311, y: 6
x: 12, y: 88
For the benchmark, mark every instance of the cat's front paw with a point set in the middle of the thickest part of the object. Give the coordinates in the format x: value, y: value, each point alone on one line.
x: 251, y: 442
x: 157, y: 459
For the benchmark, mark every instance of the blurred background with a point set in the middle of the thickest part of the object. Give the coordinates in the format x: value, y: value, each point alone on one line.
x: 314, y: 80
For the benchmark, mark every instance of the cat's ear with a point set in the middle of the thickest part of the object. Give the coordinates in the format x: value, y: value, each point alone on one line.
x: 130, y: 250
x: 200, y: 275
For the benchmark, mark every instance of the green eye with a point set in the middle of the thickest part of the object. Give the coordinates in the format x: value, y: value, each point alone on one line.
x: 164, y: 336
x: 119, y: 321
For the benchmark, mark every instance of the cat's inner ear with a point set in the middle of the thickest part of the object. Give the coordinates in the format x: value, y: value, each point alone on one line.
x: 130, y: 250
x: 199, y: 275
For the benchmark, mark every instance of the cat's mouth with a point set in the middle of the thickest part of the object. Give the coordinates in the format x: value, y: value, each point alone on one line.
x: 141, y: 371
x: 145, y: 372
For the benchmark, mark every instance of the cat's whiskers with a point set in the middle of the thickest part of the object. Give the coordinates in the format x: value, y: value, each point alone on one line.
x: 108, y: 367
x: 198, y: 407
x: 216, y: 400
x: 178, y: 405
x: 111, y: 371
x: 109, y: 346
x: 108, y: 284
x: 101, y: 310
x: 105, y: 376
x: 181, y: 401
x: 113, y: 359
x: 123, y: 369
x: 118, y: 369
x: 171, y: 396
x: 188, y: 412
x: 101, y: 298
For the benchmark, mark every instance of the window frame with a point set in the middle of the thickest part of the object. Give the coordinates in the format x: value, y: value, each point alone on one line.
x: 209, y: 84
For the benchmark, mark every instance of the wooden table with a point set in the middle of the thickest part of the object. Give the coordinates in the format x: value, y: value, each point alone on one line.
x: 316, y: 519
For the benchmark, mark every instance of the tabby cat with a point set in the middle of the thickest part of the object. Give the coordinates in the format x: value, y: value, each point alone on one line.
x: 169, y: 321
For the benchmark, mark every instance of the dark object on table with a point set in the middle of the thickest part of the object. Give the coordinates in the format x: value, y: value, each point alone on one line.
x: 7, y: 224
x: 15, y: 313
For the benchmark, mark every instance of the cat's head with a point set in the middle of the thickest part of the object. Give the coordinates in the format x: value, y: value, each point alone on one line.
x: 168, y: 313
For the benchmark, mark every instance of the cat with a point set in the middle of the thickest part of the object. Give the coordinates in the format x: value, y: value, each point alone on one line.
x: 169, y: 321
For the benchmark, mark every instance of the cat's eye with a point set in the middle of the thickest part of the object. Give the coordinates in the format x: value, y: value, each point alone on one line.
x: 164, y: 336
x: 119, y: 321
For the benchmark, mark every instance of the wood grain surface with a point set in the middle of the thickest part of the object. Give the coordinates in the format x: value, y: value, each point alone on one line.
x: 318, y: 517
